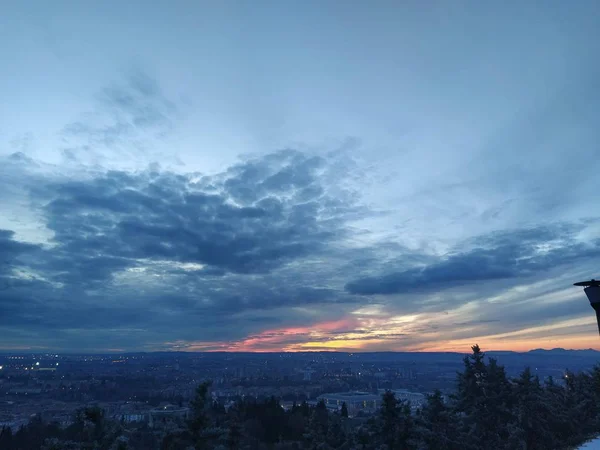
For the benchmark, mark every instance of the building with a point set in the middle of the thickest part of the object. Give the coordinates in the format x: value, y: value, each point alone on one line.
x: 307, y: 374
x: 131, y: 418
x: 416, y: 399
x: 368, y: 402
x: 355, y: 401
x: 167, y: 413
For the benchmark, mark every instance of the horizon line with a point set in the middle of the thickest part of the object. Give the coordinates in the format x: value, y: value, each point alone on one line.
x: 274, y: 352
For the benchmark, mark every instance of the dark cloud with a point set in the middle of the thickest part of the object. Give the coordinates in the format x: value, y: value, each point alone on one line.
x: 121, y: 217
x: 161, y: 257
x: 9, y: 248
x: 497, y: 256
x: 155, y: 248
x: 10, y: 252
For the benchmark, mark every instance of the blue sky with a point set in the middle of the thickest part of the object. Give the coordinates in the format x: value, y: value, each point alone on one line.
x: 298, y: 175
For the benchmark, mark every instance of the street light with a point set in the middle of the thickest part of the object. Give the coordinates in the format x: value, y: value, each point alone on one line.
x: 592, y: 290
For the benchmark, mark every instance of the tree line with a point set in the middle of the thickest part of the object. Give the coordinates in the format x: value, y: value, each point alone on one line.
x: 487, y: 410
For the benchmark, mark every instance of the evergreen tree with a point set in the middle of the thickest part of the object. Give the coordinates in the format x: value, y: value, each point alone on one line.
x: 363, y: 437
x: 498, y: 411
x: 335, y: 433
x: 389, y: 419
x: 580, y: 406
x: 199, y: 424
x: 397, y: 427
x: 319, y: 424
x: 532, y: 413
x: 297, y: 424
x: 407, y: 437
x: 484, y: 402
x: 344, y: 410
x: 6, y: 438
x: 439, y: 425
x: 558, y: 418
x: 234, y: 436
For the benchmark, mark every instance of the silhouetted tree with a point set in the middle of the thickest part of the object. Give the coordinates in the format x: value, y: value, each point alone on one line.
x: 199, y: 424
x: 532, y: 412
x: 6, y: 438
x: 344, y: 411
x: 439, y: 425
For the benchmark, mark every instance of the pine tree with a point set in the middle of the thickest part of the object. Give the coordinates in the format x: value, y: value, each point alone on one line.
x: 484, y: 402
x: 234, y: 436
x: 407, y: 438
x: 389, y: 419
x: 439, y: 425
x: 532, y: 412
x: 344, y: 410
x: 499, y: 401
x: 397, y: 428
x: 469, y: 399
x: 363, y: 437
x: 319, y: 422
x: 580, y: 406
x: 335, y: 433
x: 200, y: 422
x: 558, y: 419
x: 6, y: 438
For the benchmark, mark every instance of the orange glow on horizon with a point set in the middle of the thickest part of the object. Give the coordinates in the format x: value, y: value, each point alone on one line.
x: 405, y: 333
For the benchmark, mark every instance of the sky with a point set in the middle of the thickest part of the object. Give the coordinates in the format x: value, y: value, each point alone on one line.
x: 298, y: 176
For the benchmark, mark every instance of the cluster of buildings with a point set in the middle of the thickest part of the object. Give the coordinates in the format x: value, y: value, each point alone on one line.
x: 369, y: 402
x: 154, y: 416
x: 154, y: 388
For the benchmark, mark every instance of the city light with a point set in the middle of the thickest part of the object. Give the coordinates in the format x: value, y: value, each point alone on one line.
x: 1, y: 367
x: 37, y: 363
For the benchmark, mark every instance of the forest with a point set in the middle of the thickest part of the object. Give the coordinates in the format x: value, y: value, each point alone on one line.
x: 487, y: 410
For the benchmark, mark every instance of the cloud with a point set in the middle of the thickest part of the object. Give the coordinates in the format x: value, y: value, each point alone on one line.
x: 153, y: 248
x: 264, y: 255
x: 502, y: 255
x: 457, y: 204
x: 319, y: 336
x: 127, y: 117
x: 239, y: 223
x: 10, y: 253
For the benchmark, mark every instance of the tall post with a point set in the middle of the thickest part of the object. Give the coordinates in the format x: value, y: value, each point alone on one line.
x: 593, y: 295
x: 592, y: 290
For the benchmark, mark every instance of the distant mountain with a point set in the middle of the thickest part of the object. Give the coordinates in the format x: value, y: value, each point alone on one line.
x: 587, y: 351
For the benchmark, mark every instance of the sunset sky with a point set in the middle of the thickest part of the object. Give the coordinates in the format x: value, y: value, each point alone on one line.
x: 315, y: 175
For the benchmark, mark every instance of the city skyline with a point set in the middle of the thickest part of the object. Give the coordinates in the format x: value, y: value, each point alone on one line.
x: 296, y: 177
